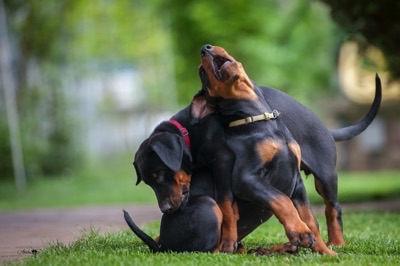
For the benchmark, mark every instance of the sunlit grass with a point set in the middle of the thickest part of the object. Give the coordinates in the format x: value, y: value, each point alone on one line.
x: 372, y: 239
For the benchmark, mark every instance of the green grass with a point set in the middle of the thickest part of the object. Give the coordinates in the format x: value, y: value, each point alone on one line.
x: 103, y: 183
x: 372, y: 239
x: 113, y: 182
x: 361, y: 186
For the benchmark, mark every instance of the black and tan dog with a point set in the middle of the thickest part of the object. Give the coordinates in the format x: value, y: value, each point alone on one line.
x: 164, y: 159
x: 317, y: 143
x: 267, y: 166
x: 268, y: 158
x: 197, y: 227
x: 190, y: 138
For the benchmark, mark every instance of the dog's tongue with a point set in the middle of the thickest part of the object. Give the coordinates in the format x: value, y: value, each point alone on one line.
x: 224, y: 64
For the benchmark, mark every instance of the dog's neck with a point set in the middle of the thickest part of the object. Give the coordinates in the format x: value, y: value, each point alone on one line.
x: 244, y: 108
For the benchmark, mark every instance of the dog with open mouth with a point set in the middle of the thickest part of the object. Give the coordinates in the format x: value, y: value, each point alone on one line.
x: 167, y: 152
x: 266, y: 144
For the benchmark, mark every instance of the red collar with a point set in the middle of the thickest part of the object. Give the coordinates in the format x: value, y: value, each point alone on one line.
x: 184, y: 132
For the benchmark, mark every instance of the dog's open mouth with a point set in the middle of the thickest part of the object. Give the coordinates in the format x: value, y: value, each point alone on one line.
x: 218, y: 63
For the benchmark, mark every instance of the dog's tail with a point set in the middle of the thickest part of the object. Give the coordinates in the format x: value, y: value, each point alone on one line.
x: 153, y: 246
x: 350, y: 132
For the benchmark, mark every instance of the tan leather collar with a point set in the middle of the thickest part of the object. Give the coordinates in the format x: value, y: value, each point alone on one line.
x: 251, y: 119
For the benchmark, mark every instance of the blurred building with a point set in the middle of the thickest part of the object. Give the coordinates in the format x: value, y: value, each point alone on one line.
x: 378, y: 147
x: 114, y: 114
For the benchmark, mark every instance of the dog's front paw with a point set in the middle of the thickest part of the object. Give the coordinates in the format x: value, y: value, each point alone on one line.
x: 302, y: 239
x: 321, y: 248
x: 227, y: 246
x: 239, y: 248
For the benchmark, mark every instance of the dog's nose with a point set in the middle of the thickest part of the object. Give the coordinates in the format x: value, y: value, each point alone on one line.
x: 165, y: 207
x: 206, y: 48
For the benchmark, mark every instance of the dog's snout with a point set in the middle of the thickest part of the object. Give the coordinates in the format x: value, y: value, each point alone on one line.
x: 164, y: 206
x: 206, y: 48
x: 167, y: 208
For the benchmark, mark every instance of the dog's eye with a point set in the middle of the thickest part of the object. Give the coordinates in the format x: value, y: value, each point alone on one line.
x: 159, y: 174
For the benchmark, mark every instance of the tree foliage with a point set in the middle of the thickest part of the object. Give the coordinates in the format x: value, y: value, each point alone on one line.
x: 37, y: 31
x: 372, y: 23
x: 284, y: 44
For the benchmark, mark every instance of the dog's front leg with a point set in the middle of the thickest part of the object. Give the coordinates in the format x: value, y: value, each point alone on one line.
x: 280, y: 205
x: 222, y: 172
x: 230, y: 217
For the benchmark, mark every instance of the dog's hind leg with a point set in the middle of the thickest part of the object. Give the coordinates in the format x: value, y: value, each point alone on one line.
x: 300, y: 201
x: 327, y: 187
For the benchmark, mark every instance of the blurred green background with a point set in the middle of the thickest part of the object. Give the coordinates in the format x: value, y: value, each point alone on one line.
x: 93, y: 78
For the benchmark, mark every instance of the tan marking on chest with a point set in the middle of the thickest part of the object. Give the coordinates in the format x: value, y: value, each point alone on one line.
x: 267, y: 149
x: 295, y: 149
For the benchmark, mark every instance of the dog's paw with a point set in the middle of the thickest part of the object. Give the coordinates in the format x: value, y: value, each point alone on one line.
x: 239, y: 248
x: 260, y: 251
x: 227, y: 246
x: 322, y: 249
x: 286, y: 248
x: 304, y: 239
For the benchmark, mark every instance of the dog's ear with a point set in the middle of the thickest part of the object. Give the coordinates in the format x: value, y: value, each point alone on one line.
x: 138, y: 176
x: 169, y: 147
x: 200, y: 108
x: 138, y: 162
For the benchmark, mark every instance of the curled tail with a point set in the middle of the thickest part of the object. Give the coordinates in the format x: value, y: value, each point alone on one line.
x: 153, y: 246
x: 350, y: 132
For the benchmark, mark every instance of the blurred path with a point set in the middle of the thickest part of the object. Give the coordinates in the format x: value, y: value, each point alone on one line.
x: 22, y: 231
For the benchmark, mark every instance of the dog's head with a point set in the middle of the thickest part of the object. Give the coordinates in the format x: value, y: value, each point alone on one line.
x: 164, y: 163
x: 222, y: 76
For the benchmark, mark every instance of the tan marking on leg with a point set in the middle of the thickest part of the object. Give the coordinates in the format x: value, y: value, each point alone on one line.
x: 219, y: 215
x: 335, y: 230
x: 308, y: 217
x: 229, y: 225
x: 296, y: 230
x: 295, y: 148
x: 235, y: 211
x: 267, y: 149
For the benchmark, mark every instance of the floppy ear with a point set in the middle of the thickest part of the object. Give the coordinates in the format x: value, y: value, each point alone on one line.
x: 169, y: 147
x: 200, y: 108
x: 138, y: 161
x: 138, y: 176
